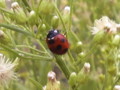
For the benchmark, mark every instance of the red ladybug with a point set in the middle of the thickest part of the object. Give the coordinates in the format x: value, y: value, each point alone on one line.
x: 57, y: 43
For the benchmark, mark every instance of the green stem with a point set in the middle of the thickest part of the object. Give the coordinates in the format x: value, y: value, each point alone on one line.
x: 26, y: 4
x: 72, y: 61
x: 32, y: 48
x: 70, y: 21
x: 33, y: 55
x: 60, y: 17
x: 88, y: 53
x: 93, y: 63
x: 5, y: 10
x: 37, y: 84
x: 106, y: 76
x: 24, y: 57
x: 15, y: 28
x: 62, y: 66
x: 43, y: 47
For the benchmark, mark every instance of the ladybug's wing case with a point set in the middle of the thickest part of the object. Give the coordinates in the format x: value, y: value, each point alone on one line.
x: 59, y: 45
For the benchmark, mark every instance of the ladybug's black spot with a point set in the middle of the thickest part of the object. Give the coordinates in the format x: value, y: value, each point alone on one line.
x: 62, y: 40
x: 51, y: 42
x: 65, y: 50
x: 59, y: 47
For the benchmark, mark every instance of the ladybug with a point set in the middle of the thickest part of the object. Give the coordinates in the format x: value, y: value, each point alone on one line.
x: 57, y: 43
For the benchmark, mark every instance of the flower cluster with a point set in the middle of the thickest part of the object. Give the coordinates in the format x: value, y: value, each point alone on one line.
x: 6, y: 70
x: 105, y: 24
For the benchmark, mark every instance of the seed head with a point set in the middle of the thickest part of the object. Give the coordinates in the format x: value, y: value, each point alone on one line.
x: 105, y: 24
x: 6, y: 70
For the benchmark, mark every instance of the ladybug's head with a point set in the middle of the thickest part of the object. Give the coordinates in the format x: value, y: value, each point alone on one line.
x: 52, y: 33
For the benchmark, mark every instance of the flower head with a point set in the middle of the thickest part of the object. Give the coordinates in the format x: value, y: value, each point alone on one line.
x: 105, y: 24
x: 19, y: 14
x: 6, y: 70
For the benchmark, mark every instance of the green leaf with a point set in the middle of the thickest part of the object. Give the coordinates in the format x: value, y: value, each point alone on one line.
x: 15, y: 28
x: 37, y: 84
x: 5, y: 10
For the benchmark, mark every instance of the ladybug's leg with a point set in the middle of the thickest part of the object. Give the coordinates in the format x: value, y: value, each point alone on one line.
x: 65, y: 34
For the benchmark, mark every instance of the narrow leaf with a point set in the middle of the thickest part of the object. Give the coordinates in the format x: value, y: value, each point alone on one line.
x: 15, y: 28
x: 37, y: 84
x: 5, y: 10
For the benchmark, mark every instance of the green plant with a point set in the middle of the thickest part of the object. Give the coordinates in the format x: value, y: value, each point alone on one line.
x: 92, y: 61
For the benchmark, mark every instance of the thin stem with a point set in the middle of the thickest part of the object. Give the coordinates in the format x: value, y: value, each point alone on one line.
x: 88, y: 53
x: 93, y: 63
x: 24, y: 57
x: 60, y: 17
x: 106, y: 76
x: 70, y: 21
x: 5, y: 10
x: 62, y: 66
x: 39, y: 4
x: 43, y: 47
x: 72, y: 61
x: 31, y: 48
x: 15, y: 28
x: 32, y: 55
x: 26, y: 4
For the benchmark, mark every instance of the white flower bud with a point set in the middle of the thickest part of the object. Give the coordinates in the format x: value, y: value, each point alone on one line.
x: 51, y: 76
x: 15, y: 5
x: 44, y: 88
x: 86, y: 67
x: 1, y: 33
x: 117, y: 87
x: 118, y: 25
x: 116, y: 40
x: 43, y: 25
x: 52, y: 83
x: 118, y: 56
x: 117, y: 36
x: 79, y: 43
x: 82, y: 54
x: 56, y: 17
x: 55, y: 21
x: 1, y: 55
x: 67, y: 10
x: 72, y: 79
x: 32, y: 13
x: 19, y: 14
